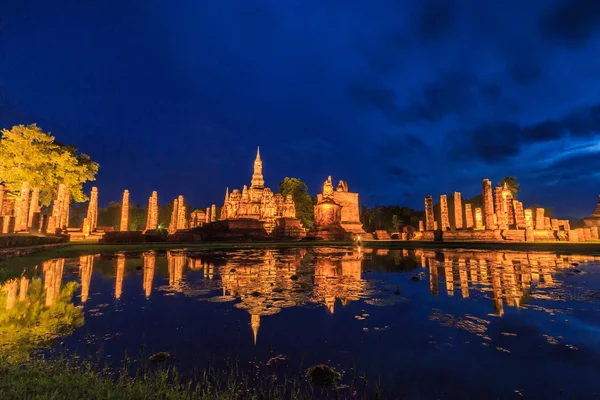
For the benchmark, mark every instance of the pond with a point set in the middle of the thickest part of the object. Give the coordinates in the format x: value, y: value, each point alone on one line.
x: 416, y: 323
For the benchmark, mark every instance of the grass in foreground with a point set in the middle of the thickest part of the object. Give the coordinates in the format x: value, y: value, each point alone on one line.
x: 63, y: 379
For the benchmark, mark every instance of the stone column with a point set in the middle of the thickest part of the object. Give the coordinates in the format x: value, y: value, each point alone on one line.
x: 55, y: 218
x: 181, y: 211
x: 539, y: 219
x: 65, y: 208
x: 573, y: 237
x: 22, y: 209
x: 458, y: 213
x: 444, y: 219
x: 125, y: 212
x: 468, y: 216
x: 488, y: 205
x: 207, y: 215
x: 529, y: 218
x: 34, y: 207
x: 91, y: 220
x: 500, y: 214
x: 174, y: 214
x: 479, y: 219
x: 213, y: 213
x: 554, y: 225
x: 429, y: 213
x: 547, y: 224
x: 435, y: 225
x: 421, y: 226
x: 519, y: 214
x: 152, y: 218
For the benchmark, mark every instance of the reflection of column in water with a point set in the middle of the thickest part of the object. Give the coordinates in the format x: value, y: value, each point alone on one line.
x: 86, y: 266
x: 23, y: 289
x: 405, y: 253
x: 149, y: 267
x: 472, y: 267
x: 120, y: 275
x: 53, y: 271
x: 547, y: 272
x: 497, y: 291
x: 483, y: 271
x: 423, y: 261
x: 464, y: 279
x: 510, y: 285
x: 211, y: 271
x: 255, y: 324
x: 448, y: 271
x: 330, y: 303
x: 11, y: 288
x: 433, y: 278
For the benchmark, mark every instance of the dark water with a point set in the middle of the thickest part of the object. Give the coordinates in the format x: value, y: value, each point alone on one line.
x: 424, y: 324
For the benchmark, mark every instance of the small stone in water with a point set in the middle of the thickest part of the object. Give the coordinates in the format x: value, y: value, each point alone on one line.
x: 159, y: 357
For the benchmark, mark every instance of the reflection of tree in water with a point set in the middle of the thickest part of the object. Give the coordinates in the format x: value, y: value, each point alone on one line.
x: 33, y: 313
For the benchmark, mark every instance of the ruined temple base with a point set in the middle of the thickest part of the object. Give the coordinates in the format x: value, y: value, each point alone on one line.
x: 355, y: 229
x: 328, y: 232
x: 288, y: 228
x: 514, y: 235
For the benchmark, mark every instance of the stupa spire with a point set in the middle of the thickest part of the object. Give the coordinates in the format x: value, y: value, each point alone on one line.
x: 258, y: 181
x: 255, y: 323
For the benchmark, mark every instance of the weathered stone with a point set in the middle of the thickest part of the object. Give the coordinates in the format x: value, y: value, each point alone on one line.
x: 554, y: 224
x: 213, y: 212
x: 594, y: 233
x: 501, y: 216
x: 547, y: 224
x: 65, y: 208
x: 207, y: 215
x: 429, y: 218
x: 152, y: 218
x: 566, y: 224
x: 507, y: 205
x: 539, y: 219
x: 124, y: 226
x: 22, y: 208
x: 34, y: 206
x: 421, y: 226
x: 435, y: 225
x: 488, y: 205
x: 587, y: 234
x: 573, y: 236
x: 529, y: 224
x: 197, y: 218
x: 479, y: 225
x: 90, y: 222
x: 519, y: 214
x: 458, y: 212
x: 8, y: 224
x: 468, y: 216
x: 529, y: 235
x: 181, y: 213
x: 174, y: 215
x: 444, y: 218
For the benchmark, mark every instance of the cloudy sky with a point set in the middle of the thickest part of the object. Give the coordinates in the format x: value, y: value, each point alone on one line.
x: 400, y: 98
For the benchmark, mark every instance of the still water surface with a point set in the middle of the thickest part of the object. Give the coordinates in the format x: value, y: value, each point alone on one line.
x: 421, y: 323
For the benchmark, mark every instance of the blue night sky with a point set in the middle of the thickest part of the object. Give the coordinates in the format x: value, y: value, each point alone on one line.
x: 400, y: 98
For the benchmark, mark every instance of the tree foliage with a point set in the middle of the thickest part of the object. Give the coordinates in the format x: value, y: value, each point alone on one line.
x: 29, y: 154
x: 512, y: 184
x: 390, y: 218
x: 303, y: 201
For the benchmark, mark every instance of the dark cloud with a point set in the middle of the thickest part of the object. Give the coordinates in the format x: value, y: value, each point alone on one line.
x: 495, y: 143
x: 454, y: 93
x: 570, y: 168
x: 435, y: 20
x: 572, y: 22
x: 524, y: 65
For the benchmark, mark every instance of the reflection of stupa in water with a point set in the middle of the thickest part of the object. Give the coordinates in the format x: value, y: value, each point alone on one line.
x: 86, y: 267
x: 507, y: 275
x: 268, y: 283
x: 149, y: 270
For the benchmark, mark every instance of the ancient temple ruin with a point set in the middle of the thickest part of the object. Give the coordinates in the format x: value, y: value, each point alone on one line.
x: 256, y: 202
x: 502, y: 217
x: 336, y: 215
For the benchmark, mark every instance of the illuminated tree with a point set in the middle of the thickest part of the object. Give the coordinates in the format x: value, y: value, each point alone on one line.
x: 512, y: 184
x: 29, y: 154
x: 303, y: 201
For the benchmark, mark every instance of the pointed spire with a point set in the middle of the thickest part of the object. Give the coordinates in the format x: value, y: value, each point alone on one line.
x: 258, y: 181
x: 257, y: 153
x: 255, y: 323
x: 226, y: 195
